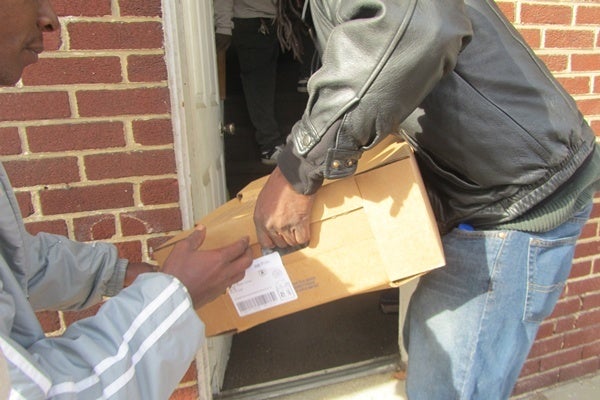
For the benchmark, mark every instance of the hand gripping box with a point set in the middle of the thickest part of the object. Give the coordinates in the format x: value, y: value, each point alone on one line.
x: 370, y: 231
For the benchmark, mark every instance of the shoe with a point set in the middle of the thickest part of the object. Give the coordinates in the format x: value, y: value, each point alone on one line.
x: 269, y: 157
x: 301, y: 88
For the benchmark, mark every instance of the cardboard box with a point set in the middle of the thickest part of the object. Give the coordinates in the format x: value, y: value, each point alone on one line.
x: 370, y: 231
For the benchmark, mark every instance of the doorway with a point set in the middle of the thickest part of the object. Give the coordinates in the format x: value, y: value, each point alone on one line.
x: 314, y: 343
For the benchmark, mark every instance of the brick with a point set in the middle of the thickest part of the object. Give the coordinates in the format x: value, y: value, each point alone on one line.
x: 10, y: 142
x: 555, y: 62
x: 103, y: 103
x: 580, y: 269
x: 95, y: 227
x: 589, y: 230
x: 569, y: 39
x: 585, y: 62
x: 82, y: 8
x: 546, y: 346
x: 530, y: 367
x: 596, y: 267
x: 43, y: 171
x: 532, y: 36
x: 90, y: 198
x: 186, y: 393
x: 57, y: 226
x: 161, y: 191
x: 565, y: 324
x: 589, y: 318
x: 146, y: 68
x: 132, y: 250
x: 587, y: 249
x: 566, y: 307
x: 49, y: 320
x: 30, y: 106
x: 73, y: 136
x: 76, y: 70
x: 73, y: 316
x: 569, y: 372
x: 52, y: 41
x: 508, y: 9
x: 25, y: 204
x: 153, y: 132
x: 555, y: 360
x: 125, y: 164
x: 595, y: 210
x: 577, y: 84
x: 590, y: 301
x: 546, y: 14
x: 591, y: 350
x: 156, y: 242
x: 145, y: 8
x: 150, y: 221
x: 596, y: 124
x: 545, y: 330
x: 115, y: 35
x: 535, y: 382
x: 581, y: 337
x: 587, y: 15
x: 582, y: 286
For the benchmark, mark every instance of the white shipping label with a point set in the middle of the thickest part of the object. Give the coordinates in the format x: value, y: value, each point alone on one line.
x: 265, y: 285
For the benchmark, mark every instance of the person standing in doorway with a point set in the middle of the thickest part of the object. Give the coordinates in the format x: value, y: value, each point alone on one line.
x: 250, y: 26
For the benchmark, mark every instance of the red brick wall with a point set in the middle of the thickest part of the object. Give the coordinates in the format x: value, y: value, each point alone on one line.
x: 88, y: 144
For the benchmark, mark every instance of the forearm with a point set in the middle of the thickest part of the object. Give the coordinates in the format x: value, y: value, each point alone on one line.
x: 137, y: 346
x: 69, y: 275
x: 135, y: 269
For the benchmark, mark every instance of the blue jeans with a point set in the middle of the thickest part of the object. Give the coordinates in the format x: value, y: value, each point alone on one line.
x: 471, y: 324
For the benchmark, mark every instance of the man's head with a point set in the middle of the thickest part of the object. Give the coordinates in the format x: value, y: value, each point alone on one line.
x: 21, y: 27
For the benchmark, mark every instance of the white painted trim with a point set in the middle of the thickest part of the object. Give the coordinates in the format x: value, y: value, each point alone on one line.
x: 175, y: 81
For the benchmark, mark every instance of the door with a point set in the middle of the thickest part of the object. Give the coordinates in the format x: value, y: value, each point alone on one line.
x: 196, y: 116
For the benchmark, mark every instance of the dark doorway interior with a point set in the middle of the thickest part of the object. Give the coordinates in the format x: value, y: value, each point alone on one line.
x: 347, y: 331
x: 241, y: 152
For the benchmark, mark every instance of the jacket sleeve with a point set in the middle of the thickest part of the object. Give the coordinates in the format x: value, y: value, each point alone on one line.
x: 223, y: 16
x: 69, y: 275
x: 138, y: 346
x: 380, y: 59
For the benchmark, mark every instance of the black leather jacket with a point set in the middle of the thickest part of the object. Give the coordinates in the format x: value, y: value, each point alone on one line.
x: 493, y: 131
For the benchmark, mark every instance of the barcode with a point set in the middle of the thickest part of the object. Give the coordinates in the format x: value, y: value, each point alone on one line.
x: 257, y: 301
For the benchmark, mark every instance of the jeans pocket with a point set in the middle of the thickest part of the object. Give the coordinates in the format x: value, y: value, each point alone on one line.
x: 549, y: 264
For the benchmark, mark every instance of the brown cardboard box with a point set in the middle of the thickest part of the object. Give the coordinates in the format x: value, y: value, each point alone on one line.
x: 370, y: 231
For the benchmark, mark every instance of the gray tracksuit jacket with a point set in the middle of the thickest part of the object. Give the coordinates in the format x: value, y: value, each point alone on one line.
x: 138, y: 345
x: 493, y: 131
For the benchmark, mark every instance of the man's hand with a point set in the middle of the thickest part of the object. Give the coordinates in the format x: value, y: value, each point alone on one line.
x: 222, y: 41
x: 282, y: 216
x: 207, y: 273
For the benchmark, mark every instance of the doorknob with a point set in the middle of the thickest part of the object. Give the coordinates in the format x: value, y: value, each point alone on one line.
x: 228, y: 129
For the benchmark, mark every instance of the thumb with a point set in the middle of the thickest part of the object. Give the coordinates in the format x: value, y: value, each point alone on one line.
x: 197, y: 237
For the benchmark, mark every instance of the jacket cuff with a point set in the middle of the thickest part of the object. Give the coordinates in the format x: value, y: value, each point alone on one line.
x: 117, y: 280
x: 304, y: 177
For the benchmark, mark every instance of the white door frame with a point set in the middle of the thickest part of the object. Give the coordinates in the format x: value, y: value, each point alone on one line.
x: 196, y: 113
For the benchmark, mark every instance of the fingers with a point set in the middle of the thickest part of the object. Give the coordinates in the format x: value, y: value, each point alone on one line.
x: 196, y: 238
x: 264, y: 239
x: 235, y: 249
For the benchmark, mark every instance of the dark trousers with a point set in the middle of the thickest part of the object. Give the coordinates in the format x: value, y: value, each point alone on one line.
x: 257, y: 51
